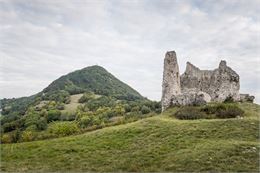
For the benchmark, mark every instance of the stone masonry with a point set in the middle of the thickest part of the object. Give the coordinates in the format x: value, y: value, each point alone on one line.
x: 171, y: 79
x: 195, y: 86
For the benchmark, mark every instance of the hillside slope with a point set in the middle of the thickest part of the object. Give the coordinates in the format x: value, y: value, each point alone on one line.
x: 159, y: 143
x: 95, y: 79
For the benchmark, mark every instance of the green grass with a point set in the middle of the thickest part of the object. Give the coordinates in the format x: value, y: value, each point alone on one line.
x: 159, y: 143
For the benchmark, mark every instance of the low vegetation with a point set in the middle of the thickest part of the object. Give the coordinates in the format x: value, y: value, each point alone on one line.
x: 156, y: 144
x: 209, y: 111
x: 92, y: 88
x: 83, y: 112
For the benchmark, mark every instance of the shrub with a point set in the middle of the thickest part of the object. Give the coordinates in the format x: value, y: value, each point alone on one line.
x: 119, y: 110
x: 27, y: 136
x: 63, y: 128
x: 81, y: 114
x: 127, y: 108
x: 103, y: 101
x: 97, y: 121
x: 85, y: 121
x: 223, y: 110
x: 189, y: 113
x: 158, y: 110
x: 32, y: 127
x: 6, y: 138
x: 33, y: 121
x: 135, y: 109
x: 86, y: 97
x: 212, y: 109
x: 7, y: 127
x: 53, y: 115
x: 60, y: 106
x: 230, y: 111
x: 145, y: 110
x: 41, y: 124
x: 11, y: 137
x: 132, y: 116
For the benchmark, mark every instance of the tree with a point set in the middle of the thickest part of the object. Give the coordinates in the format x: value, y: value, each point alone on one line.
x: 86, y: 97
x: 53, y: 115
x: 120, y: 110
x: 145, y: 110
x: 33, y: 121
x: 127, y: 108
x: 42, y: 123
x: 85, y: 121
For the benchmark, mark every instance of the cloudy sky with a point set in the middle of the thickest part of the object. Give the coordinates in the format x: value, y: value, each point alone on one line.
x: 40, y: 40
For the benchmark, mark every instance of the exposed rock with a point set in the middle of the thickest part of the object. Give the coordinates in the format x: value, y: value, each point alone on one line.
x: 171, y: 79
x: 246, y: 98
x: 196, y: 87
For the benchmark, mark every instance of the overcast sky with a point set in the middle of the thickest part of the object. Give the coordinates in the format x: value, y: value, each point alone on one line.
x: 42, y: 40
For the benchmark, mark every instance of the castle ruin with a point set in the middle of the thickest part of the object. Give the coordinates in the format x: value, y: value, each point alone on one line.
x: 197, y: 87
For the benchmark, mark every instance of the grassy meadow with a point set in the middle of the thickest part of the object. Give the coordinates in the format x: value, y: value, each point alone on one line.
x: 154, y: 144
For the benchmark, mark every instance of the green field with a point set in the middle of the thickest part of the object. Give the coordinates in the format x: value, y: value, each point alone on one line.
x: 159, y: 143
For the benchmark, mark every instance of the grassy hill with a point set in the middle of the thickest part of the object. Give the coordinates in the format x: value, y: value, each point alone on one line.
x: 91, y: 79
x: 95, y: 79
x: 159, y: 143
x: 90, y: 97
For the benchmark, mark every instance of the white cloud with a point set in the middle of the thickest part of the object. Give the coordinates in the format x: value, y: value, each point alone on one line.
x: 42, y: 40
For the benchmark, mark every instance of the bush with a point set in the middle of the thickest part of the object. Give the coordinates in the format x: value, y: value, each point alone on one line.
x: 85, y: 121
x: 127, y: 108
x: 63, y: 128
x: 86, y: 97
x: 7, y: 127
x: 16, y: 135
x: 222, y: 110
x: 53, y: 115
x: 190, y: 113
x: 230, y: 111
x: 158, y: 110
x: 33, y: 121
x: 32, y: 127
x: 60, y: 106
x: 6, y: 138
x: 145, y: 110
x: 135, y: 109
x: 119, y: 110
x: 41, y: 124
x: 103, y: 101
x: 27, y: 136
x: 31, y: 118
x: 212, y: 109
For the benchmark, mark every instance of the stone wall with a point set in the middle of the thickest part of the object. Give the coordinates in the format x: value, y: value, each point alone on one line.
x: 195, y: 86
x: 220, y: 83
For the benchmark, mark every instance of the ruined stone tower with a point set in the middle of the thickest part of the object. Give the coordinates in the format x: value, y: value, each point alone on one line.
x: 171, y: 79
x: 197, y: 87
